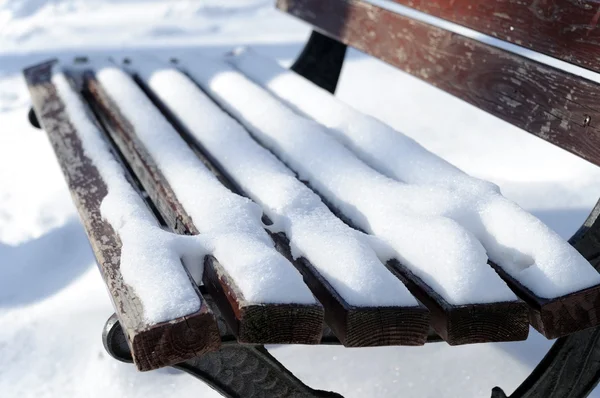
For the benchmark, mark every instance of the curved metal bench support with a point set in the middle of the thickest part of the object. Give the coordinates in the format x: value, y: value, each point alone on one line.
x: 570, y: 369
x: 248, y: 371
x: 572, y: 366
x: 33, y: 119
x: 235, y: 370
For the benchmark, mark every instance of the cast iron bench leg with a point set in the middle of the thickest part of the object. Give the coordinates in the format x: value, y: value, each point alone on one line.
x: 248, y: 371
x: 236, y: 370
x: 571, y: 369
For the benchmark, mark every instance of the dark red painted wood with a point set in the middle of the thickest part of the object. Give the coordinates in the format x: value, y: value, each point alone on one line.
x: 563, y: 29
x: 554, y: 105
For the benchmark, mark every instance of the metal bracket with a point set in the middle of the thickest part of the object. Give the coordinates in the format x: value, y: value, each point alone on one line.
x: 321, y: 61
x: 235, y: 370
x: 571, y: 369
x: 33, y: 119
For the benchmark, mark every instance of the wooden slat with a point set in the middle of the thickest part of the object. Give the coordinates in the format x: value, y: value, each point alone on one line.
x: 567, y: 30
x: 560, y: 316
x: 358, y: 326
x: 152, y: 346
x: 354, y: 326
x: 467, y: 324
x: 252, y: 322
x: 554, y: 105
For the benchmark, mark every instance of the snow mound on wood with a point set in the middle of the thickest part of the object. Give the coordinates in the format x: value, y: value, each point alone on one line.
x: 233, y: 223
x: 147, y: 264
x: 437, y: 249
x: 526, y: 248
x: 338, y: 252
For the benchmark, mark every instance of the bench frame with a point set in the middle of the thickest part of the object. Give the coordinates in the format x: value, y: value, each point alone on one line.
x: 570, y: 368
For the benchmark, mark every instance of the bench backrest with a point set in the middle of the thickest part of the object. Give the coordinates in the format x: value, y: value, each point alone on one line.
x: 550, y: 103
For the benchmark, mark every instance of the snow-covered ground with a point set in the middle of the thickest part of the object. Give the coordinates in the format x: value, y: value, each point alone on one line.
x: 52, y: 300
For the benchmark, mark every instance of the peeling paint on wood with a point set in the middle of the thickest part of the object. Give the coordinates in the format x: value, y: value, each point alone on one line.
x: 567, y: 30
x: 152, y: 346
x: 554, y: 105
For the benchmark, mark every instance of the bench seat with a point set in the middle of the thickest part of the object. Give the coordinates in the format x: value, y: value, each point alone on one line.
x: 158, y: 125
x: 232, y: 203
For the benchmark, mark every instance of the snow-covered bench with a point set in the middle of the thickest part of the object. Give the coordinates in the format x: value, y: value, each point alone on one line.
x: 305, y: 221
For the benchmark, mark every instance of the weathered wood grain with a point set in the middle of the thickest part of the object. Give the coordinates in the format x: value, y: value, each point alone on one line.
x: 358, y: 326
x: 576, y: 311
x: 152, y: 346
x: 567, y: 30
x: 354, y: 326
x: 261, y: 323
x: 560, y: 316
x: 554, y: 105
x: 467, y: 324
x: 253, y: 322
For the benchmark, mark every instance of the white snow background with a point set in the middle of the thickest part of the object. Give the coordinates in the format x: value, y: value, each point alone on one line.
x: 53, y: 303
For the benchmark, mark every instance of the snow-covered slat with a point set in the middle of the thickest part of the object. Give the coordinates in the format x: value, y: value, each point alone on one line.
x: 261, y: 295
x: 444, y: 264
x: 542, y: 268
x: 164, y: 327
x: 365, y: 304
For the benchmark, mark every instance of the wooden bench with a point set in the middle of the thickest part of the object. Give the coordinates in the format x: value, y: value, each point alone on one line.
x: 102, y: 126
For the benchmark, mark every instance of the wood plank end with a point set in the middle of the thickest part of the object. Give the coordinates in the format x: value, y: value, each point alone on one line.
x: 567, y: 314
x: 386, y: 326
x: 281, y: 324
x: 254, y: 323
x: 169, y: 343
x: 485, y: 323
